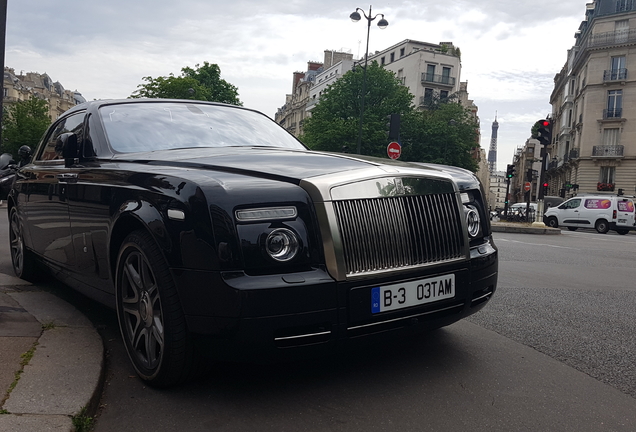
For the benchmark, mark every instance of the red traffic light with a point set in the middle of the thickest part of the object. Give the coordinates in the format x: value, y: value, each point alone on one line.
x: 545, y: 123
x: 545, y: 184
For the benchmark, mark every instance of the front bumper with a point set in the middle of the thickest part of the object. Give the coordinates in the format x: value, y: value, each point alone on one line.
x: 239, y: 316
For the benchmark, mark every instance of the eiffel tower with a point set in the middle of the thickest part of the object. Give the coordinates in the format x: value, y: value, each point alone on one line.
x: 492, y: 153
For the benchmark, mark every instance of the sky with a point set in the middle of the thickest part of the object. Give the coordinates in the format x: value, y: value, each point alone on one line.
x: 511, y: 50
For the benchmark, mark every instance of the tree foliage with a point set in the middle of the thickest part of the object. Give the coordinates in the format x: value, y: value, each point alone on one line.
x: 24, y: 123
x: 201, y: 83
x: 334, y: 121
x: 444, y: 132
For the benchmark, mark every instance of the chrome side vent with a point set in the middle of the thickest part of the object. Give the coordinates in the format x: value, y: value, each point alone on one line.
x: 392, y: 233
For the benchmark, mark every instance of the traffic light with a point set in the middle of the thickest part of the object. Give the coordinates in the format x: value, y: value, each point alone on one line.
x: 545, y: 188
x: 394, y: 127
x: 510, y: 171
x: 542, y: 131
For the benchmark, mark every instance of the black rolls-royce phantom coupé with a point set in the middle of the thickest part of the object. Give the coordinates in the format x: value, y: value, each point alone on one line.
x: 215, y: 233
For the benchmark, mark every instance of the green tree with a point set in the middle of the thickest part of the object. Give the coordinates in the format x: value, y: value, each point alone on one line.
x: 333, y: 124
x: 24, y: 123
x: 444, y: 133
x: 201, y: 83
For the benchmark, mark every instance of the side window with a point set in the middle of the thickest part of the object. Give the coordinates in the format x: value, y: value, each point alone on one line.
x: 49, y: 151
x: 626, y: 206
x: 572, y: 204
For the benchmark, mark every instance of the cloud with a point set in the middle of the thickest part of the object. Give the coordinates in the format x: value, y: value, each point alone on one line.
x: 103, y: 49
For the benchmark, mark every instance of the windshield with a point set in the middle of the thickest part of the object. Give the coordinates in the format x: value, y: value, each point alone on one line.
x: 148, y: 126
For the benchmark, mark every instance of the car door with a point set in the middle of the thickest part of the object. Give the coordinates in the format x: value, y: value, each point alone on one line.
x: 569, y: 212
x: 625, y: 217
x: 46, y: 181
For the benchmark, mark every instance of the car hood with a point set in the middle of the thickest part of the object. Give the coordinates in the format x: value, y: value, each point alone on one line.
x: 283, y: 164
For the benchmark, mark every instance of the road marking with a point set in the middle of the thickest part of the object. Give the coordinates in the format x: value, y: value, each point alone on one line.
x: 535, y: 244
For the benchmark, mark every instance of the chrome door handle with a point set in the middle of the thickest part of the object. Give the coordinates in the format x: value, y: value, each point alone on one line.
x: 66, y: 177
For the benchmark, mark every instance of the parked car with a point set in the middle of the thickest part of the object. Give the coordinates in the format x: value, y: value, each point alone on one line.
x: 517, y: 213
x: 602, y: 212
x: 215, y: 234
x: 522, y: 207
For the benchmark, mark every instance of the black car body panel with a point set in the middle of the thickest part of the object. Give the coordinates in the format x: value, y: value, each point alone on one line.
x: 77, y: 208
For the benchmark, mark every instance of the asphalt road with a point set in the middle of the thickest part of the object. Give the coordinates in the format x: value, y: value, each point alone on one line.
x: 553, y: 351
x: 572, y: 297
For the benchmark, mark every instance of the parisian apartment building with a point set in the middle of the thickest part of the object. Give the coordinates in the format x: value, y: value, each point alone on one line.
x: 497, y: 192
x: 527, y: 162
x: 428, y: 70
x: 22, y: 86
x: 594, y: 105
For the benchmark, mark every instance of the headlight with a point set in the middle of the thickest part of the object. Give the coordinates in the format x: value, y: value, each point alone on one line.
x: 282, y: 244
x: 472, y: 221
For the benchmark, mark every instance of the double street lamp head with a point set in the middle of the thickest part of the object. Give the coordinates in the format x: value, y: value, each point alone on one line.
x: 383, y: 23
x: 355, y: 17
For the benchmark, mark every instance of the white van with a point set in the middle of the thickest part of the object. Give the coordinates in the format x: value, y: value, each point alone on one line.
x: 602, y: 212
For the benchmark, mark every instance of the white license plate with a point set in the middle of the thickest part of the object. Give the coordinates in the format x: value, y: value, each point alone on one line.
x: 622, y: 221
x: 413, y: 293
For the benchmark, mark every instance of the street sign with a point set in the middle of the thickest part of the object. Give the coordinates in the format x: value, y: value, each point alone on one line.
x: 527, y: 187
x: 394, y: 150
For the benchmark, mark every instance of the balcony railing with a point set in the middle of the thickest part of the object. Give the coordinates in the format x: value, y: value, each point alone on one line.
x: 604, y: 39
x: 615, y: 75
x: 608, y: 151
x: 612, y: 113
x: 438, y: 79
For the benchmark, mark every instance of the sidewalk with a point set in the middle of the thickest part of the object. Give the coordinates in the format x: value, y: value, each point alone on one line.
x: 51, y: 361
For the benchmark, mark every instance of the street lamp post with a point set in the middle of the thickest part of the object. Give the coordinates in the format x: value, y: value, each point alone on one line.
x: 355, y: 17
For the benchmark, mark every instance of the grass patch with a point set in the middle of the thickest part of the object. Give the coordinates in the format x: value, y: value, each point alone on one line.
x: 26, y: 358
x: 82, y: 422
x: 4, y: 411
x: 48, y: 326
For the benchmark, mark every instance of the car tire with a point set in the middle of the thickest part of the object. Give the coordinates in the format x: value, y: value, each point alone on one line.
x: 573, y: 228
x: 151, y: 320
x: 601, y: 226
x: 552, y: 222
x: 622, y: 231
x: 24, y: 263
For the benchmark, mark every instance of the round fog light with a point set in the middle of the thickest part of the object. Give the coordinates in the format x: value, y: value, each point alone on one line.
x: 472, y: 221
x: 281, y: 244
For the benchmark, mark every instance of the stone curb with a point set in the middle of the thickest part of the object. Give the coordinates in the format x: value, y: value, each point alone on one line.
x: 65, y: 375
x: 523, y: 229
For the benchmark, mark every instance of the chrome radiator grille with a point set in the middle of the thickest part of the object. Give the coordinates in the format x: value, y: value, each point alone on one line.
x: 381, y: 234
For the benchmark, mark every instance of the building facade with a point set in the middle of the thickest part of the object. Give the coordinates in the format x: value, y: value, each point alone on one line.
x: 527, y: 162
x: 497, y: 191
x: 330, y: 73
x: 594, y: 106
x: 19, y: 87
x: 430, y: 71
x: 307, y: 87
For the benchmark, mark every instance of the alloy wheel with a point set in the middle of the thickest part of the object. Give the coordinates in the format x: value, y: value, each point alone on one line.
x: 142, y: 315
